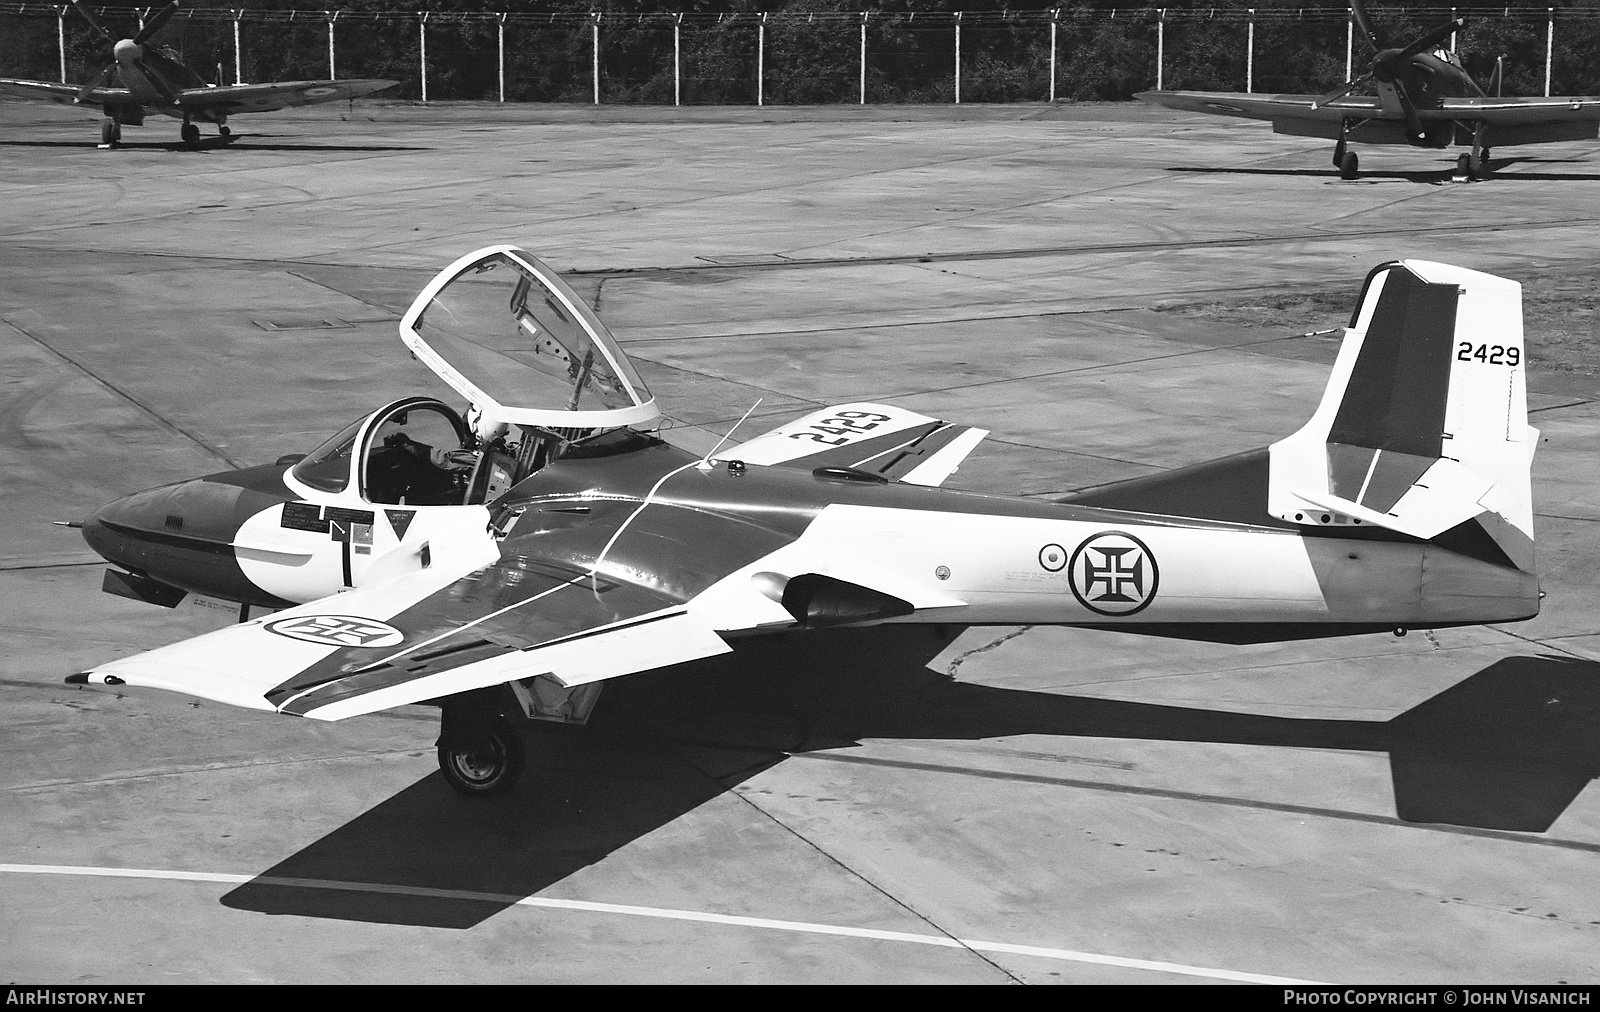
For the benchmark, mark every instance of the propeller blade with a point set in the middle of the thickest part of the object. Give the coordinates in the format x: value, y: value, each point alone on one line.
x: 1373, y: 38
x: 1408, y: 107
x: 1431, y: 39
x: 154, y: 24
x: 94, y: 22
x: 1342, y: 92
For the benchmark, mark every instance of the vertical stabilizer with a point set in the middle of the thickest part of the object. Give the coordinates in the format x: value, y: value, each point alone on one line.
x: 1424, y: 425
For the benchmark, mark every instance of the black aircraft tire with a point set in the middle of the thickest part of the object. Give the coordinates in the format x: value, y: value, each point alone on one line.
x: 1464, y: 167
x: 190, y: 134
x: 109, y: 133
x: 487, y: 771
x: 1349, y: 165
x: 223, y: 131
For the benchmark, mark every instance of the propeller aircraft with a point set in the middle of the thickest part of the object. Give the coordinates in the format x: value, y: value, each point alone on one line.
x: 501, y: 563
x: 153, y: 80
x: 1424, y: 98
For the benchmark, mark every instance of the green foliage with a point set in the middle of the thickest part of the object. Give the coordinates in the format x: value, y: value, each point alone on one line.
x: 813, y: 47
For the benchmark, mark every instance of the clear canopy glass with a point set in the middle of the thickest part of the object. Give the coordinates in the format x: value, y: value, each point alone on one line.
x: 502, y: 329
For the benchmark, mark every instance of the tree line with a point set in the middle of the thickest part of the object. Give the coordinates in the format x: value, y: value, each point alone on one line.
x: 809, y: 50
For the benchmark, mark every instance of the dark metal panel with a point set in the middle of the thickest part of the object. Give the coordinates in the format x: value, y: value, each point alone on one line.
x: 1396, y: 396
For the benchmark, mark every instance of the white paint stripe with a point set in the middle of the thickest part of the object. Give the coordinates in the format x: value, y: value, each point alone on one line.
x: 663, y: 913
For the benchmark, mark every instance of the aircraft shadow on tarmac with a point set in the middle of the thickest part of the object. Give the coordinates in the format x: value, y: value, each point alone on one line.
x: 1508, y: 748
x: 240, y: 142
x: 1423, y: 176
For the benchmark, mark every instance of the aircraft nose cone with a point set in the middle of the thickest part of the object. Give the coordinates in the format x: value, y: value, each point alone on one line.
x: 114, y: 530
x: 146, y: 530
x: 127, y: 51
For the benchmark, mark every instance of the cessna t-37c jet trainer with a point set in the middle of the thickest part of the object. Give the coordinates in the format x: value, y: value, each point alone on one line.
x: 502, y: 563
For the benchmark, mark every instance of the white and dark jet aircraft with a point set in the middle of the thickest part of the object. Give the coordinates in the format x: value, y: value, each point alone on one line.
x: 154, y: 81
x: 502, y: 563
x: 1424, y: 99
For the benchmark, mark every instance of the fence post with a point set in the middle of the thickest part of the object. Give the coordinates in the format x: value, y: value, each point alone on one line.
x: 761, y: 60
x: 1250, y: 56
x: 238, y: 59
x: 677, y: 87
x: 594, y: 54
x: 958, y: 57
x: 422, y: 29
x: 61, y: 40
x: 500, y: 52
x: 332, y: 16
x: 1055, y: 16
x: 1161, y: 43
x: 862, y: 99
x: 1453, y: 48
x: 1349, y: 43
x: 1549, y: 46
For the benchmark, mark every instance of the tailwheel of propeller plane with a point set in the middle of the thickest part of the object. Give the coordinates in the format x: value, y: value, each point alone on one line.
x: 491, y: 766
x: 1349, y: 165
x: 190, y: 134
x: 223, y: 131
x: 110, y: 133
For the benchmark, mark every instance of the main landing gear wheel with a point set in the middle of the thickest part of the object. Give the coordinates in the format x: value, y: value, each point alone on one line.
x: 223, y: 131
x: 491, y: 766
x: 191, y: 135
x: 1349, y: 165
x: 110, y: 133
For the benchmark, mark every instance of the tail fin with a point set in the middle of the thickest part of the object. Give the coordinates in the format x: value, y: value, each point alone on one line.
x: 1424, y: 425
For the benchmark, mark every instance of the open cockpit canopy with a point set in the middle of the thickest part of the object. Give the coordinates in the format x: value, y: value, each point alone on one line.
x: 507, y: 333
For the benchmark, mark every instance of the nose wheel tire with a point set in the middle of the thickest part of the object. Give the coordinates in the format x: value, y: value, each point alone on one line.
x: 1349, y: 165
x: 491, y: 766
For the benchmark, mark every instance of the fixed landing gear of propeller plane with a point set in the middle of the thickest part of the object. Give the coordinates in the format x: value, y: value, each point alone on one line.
x: 1473, y: 166
x: 191, y: 135
x: 110, y: 133
x: 1349, y: 165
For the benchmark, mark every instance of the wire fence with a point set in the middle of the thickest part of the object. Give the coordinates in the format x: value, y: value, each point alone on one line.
x: 810, y: 56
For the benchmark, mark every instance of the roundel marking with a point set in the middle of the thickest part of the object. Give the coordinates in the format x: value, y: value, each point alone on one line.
x: 337, y: 630
x: 319, y: 92
x: 1113, y: 573
x: 1052, y: 558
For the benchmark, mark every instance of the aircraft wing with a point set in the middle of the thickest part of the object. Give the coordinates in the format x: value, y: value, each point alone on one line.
x: 429, y: 633
x: 1517, y: 111
x: 1270, y: 107
x: 238, y: 98
x: 901, y: 445
x: 64, y: 94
